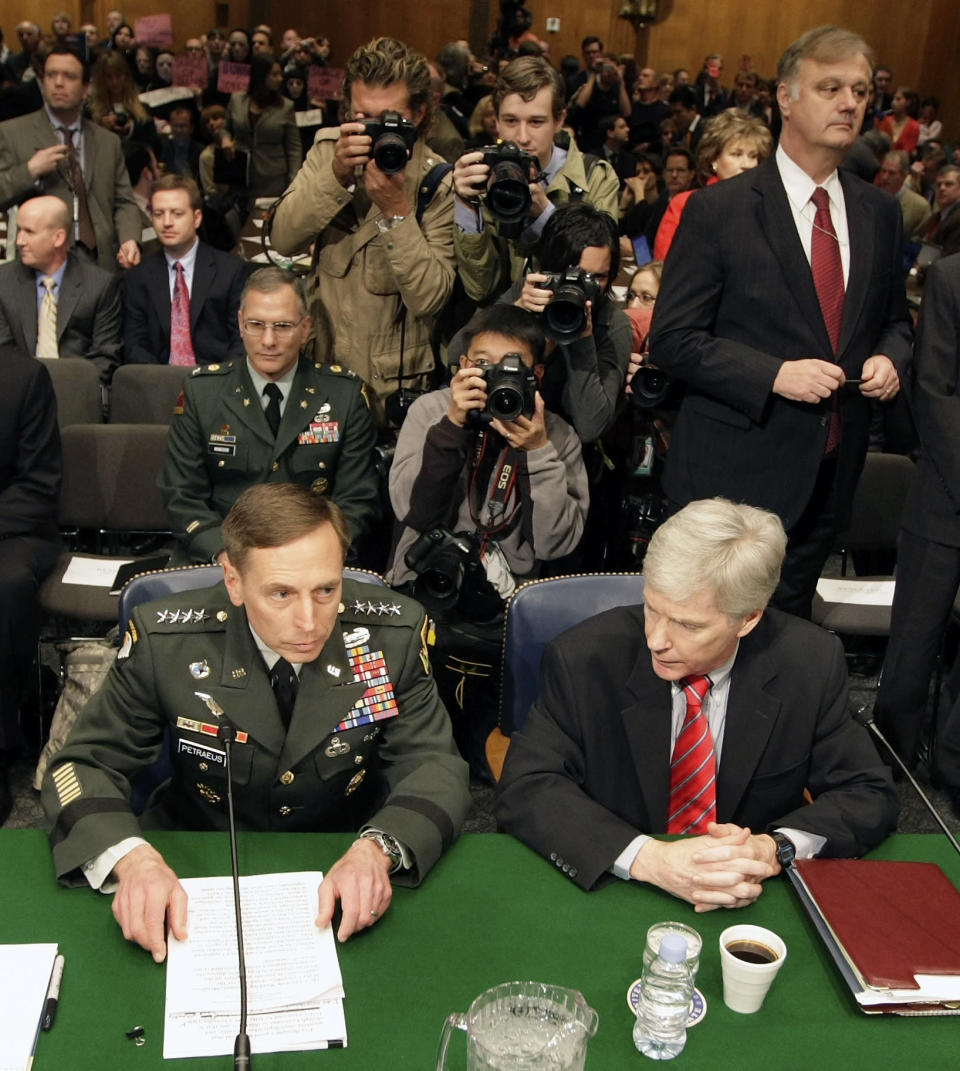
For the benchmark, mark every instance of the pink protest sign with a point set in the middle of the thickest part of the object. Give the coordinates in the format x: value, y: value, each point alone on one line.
x: 154, y: 30
x: 190, y: 72
x: 324, y: 83
x: 233, y: 77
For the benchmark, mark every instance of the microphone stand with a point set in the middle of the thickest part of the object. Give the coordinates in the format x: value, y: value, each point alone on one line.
x: 241, y: 1047
x: 866, y: 719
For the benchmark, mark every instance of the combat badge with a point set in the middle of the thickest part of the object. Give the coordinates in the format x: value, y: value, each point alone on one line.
x: 208, y: 793
x: 354, y: 783
x: 320, y: 485
x: 199, y: 670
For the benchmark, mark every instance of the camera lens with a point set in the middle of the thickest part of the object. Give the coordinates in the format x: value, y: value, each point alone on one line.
x: 508, y: 195
x: 566, y: 317
x: 390, y: 153
x: 649, y: 386
x: 505, y: 403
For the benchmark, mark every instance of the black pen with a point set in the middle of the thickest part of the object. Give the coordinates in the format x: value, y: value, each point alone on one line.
x: 53, y: 994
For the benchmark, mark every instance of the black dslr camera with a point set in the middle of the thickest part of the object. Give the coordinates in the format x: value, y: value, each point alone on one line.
x: 508, y: 187
x: 449, y: 573
x: 650, y: 387
x: 393, y: 141
x: 566, y: 316
x: 511, y: 391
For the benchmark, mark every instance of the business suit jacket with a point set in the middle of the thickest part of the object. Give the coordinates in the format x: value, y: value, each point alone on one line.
x: 218, y: 280
x: 273, y: 143
x: 591, y: 768
x: 737, y: 299
x: 88, y: 312
x: 116, y: 218
x: 397, y: 770
x: 947, y: 233
x: 220, y: 444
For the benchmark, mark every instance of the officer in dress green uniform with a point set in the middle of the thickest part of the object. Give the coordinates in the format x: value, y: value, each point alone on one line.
x: 337, y: 718
x: 275, y: 417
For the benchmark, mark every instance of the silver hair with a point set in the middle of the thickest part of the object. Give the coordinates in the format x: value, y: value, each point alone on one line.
x: 825, y: 44
x: 267, y: 280
x: 716, y: 545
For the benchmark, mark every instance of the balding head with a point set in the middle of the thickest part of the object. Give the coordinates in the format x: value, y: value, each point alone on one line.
x: 43, y: 233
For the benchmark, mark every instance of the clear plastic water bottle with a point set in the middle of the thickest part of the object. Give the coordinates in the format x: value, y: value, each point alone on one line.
x: 660, y: 1031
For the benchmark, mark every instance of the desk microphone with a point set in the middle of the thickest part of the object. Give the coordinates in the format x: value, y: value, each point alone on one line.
x: 865, y: 718
x: 241, y: 1047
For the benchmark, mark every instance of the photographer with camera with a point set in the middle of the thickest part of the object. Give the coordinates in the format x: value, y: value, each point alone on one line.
x: 383, y: 261
x: 487, y: 484
x: 506, y: 194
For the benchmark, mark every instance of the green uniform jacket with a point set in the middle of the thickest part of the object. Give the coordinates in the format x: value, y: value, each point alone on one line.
x: 488, y: 264
x: 220, y: 444
x: 399, y: 772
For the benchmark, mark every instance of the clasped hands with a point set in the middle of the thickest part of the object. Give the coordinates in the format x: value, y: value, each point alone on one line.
x: 723, y: 868
x: 811, y: 379
x: 149, y: 894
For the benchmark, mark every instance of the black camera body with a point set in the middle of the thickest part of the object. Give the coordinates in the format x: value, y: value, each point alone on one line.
x: 565, y: 318
x: 508, y: 187
x: 450, y: 574
x: 393, y: 141
x: 649, y: 387
x: 511, y: 391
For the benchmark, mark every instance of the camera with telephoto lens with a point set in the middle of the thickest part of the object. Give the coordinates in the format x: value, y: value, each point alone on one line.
x: 565, y: 318
x: 650, y: 387
x: 511, y: 391
x: 440, y: 560
x: 393, y: 141
x: 508, y: 187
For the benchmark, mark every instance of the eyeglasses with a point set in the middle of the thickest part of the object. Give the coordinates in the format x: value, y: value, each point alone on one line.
x: 282, y: 330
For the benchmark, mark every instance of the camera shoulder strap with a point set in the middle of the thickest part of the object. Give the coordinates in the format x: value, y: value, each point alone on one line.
x: 491, y: 487
x: 428, y: 186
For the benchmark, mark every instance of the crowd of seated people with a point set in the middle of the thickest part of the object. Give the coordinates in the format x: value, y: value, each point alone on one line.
x: 405, y: 248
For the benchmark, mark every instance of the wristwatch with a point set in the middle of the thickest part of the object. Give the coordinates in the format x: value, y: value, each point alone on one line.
x: 786, y: 850
x: 388, y: 845
x: 387, y: 224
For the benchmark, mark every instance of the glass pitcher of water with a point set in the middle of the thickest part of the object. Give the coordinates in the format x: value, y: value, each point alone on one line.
x: 523, y: 1026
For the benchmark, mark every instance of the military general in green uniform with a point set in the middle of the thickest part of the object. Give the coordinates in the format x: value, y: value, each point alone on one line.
x: 337, y: 718
x: 275, y: 417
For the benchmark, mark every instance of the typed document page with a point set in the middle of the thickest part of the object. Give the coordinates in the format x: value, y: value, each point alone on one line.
x: 294, y: 986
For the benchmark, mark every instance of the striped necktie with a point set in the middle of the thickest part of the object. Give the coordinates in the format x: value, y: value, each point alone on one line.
x: 827, y: 270
x: 693, y: 769
x: 181, y: 344
x: 47, y: 321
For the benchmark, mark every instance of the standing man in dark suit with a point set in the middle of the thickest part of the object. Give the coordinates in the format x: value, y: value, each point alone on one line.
x: 188, y: 293
x: 271, y: 417
x: 55, y: 150
x: 928, y: 551
x: 29, y: 491
x: 780, y: 285
x: 54, y: 303
x: 714, y: 733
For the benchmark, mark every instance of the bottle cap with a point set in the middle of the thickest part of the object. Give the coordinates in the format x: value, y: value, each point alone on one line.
x: 673, y: 948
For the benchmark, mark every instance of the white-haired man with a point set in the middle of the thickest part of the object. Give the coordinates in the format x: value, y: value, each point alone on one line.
x: 715, y: 732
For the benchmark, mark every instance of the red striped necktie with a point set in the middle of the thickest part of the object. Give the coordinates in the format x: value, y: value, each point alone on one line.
x: 827, y: 270
x: 693, y: 769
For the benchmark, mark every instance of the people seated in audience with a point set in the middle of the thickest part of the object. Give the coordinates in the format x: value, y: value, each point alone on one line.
x: 943, y: 227
x: 274, y: 417
x: 182, y: 307
x: 142, y: 171
x: 892, y: 178
x: 238, y: 47
x: 384, y: 263
x: 181, y: 152
x: 263, y: 124
x: 901, y: 123
x: 517, y: 487
x: 732, y: 142
x: 712, y: 98
x: 113, y: 101
x: 930, y: 126
x: 647, y: 112
x: 29, y: 495
x: 53, y: 302
x: 281, y: 624
x: 38, y: 154
x: 716, y: 732
x: 530, y: 114
x: 687, y: 121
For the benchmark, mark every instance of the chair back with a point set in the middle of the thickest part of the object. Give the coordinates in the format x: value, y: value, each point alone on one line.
x: 538, y: 612
x: 878, y: 503
x: 110, y: 477
x: 76, y: 383
x: 145, y: 393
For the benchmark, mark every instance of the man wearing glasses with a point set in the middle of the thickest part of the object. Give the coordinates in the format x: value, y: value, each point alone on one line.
x: 272, y: 417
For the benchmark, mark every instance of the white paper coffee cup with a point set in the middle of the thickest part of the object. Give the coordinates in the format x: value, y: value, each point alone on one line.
x: 745, y: 983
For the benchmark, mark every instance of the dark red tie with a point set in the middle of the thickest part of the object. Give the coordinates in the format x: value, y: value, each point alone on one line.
x: 693, y: 769
x: 181, y: 344
x: 828, y: 279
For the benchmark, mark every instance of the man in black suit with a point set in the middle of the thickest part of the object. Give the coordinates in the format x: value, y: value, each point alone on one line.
x: 714, y: 734
x: 54, y: 303
x: 211, y: 281
x: 29, y: 491
x: 616, y: 134
x: 928, y: 552
x: 769, y: 303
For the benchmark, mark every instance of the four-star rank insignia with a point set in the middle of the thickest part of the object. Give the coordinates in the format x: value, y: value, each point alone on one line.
x: 181, y: 617
x: 378, y: 608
